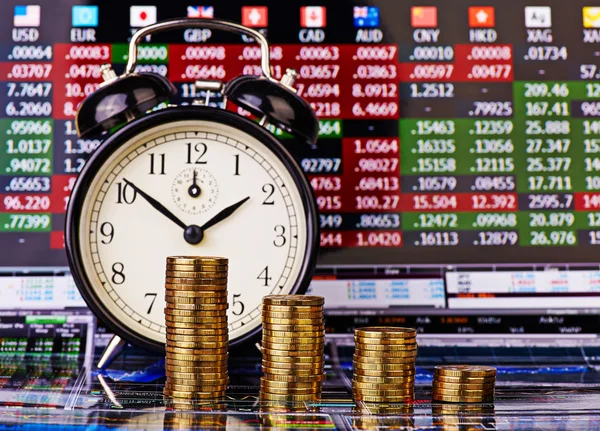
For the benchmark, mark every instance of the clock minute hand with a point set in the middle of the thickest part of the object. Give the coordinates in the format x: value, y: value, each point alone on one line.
x: 157, y: 205
x: 223, y: 214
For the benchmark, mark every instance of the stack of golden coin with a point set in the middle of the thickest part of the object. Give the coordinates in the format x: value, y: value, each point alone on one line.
x: 384, y: 364
x: 293, y: 338
x: 197, y: 331
x: 464, y: 383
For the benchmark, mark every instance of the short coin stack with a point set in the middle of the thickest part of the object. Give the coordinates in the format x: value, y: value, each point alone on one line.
x: 197, y: 331
x: 292, y: 348
x: 384, y: 364
x: 464, y: 383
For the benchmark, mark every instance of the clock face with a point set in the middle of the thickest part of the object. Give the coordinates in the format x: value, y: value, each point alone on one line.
x: 195, y: 169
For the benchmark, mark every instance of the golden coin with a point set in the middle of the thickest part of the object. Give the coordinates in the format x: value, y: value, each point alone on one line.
x: 383, y: 399
x: 292, y: 347
x: 197, y: 332
x: 290, y: 353
x: 383, y: 386
x: 187, y: 295
x: 455, y: 399
x: 192, y: 377
x: 196, y: 275
x: 294, y: 359
x: 290, y: 385
x: 384, y: 380
x: 198, y: 338
x: 294, y: 328
x: 208, y: 289
x: 194, y: 313
x: 219, y: 351
x: 198, y: 344
x: 294, y: 300
x: 212, y: 372
x: 270, y: 321
x: 199, y: 387
x: 468, y: 380
x: 368, y: 360
x: 464, y: 392
x: 385, y: 341
x: 291, y: 315
x: 198, y: 320
x: 296, y: 372
x: 196, y: 281
x: 465, y: 370
x: 289, y: 397
x: 384, y: 393
x: 198, y: 358
x: 290, y: 378
x: 221, y: 324
x: 463, y: 386
x: 394, y: 354
x: 382, y: 366
x: 386, y: 373
x: 193, y: 394
x: 213, y: 307
x: 290, y: 334
x: 385, y: 332
x: 385, y: 347
x: 197, y: 260
x: 292, y: 308
x: 313, y: 366
x: 173, y: 303
x: 292, y: 340
x: 219, y: 292
x: 197, y: 268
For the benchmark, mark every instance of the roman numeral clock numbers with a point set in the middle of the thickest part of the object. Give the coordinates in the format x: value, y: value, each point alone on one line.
x: 197, y: 188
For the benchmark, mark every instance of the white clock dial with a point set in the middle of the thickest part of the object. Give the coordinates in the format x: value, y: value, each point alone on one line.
x: 125, y: 240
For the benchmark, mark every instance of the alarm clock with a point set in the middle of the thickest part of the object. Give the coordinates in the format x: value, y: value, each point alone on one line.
x: 190, y: 180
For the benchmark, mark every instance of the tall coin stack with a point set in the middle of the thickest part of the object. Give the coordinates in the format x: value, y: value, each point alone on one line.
x: 464, y: 383
x: 384, y: 364
x: 292, y: 348
x: 197, y: 332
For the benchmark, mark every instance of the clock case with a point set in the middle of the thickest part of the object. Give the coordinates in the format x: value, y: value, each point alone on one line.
x: 108, y: 147
x: 126, y: 99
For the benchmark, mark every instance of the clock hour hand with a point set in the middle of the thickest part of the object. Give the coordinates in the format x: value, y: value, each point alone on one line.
x: 157, y: 205
x: 223, y: 214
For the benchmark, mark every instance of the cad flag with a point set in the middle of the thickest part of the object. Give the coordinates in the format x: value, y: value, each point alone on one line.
x: 366, y: 16
x: 84, y: 16
x: 27, y: 16
x: 201, y: 12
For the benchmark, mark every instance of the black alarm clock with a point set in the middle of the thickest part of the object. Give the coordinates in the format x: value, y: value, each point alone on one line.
x: 190, y: 180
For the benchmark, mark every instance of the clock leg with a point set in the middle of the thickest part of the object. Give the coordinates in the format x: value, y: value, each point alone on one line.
x: 115, y: 348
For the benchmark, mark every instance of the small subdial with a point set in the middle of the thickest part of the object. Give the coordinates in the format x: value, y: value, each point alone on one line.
x: 195, y: 191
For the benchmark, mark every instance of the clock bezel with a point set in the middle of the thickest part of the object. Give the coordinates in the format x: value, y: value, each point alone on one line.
x: 111, y: 144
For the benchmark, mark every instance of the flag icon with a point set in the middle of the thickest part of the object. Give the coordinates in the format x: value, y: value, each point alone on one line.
x: 423, y: 16
x: 207, y: 12
x: 481, y: 16
x: 366, y: 16
x: 27, y: 16
x: 313, y: 16
x: 141, y: 16
x: 591, y: 17
x: 84, y: 16
x: 255, y: 16
x: 538, y: 17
